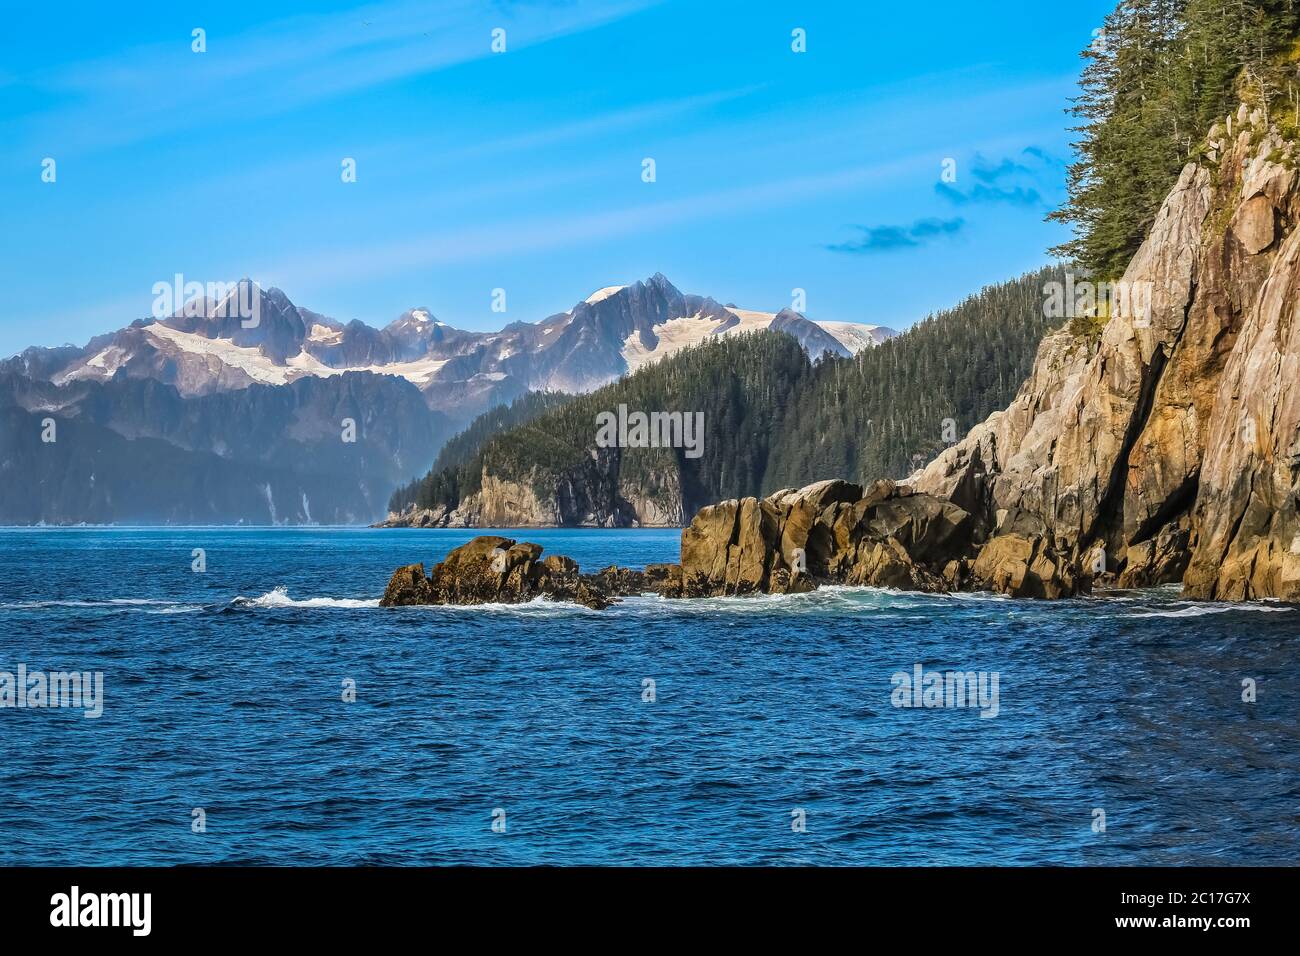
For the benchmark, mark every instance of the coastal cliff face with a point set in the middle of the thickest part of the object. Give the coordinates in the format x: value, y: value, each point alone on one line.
x: 1168, y: 450
x: 595, y: 495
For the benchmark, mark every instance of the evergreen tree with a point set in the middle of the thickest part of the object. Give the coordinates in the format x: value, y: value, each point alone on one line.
x: 1156, y: 77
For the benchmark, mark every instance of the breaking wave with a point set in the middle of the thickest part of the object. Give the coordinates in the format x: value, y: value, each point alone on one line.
x: 279, y: 597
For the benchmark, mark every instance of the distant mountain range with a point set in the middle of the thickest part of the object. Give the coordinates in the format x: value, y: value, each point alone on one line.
x: 134, y: 451
x: 207, y: 417
x: 207, y: 348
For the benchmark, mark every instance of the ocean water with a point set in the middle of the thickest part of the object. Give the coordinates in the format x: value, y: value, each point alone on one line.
x: 772, y: 737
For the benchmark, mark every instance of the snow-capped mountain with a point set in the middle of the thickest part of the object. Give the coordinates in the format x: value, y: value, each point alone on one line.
x: 248, y: 408
x: 211, y: 346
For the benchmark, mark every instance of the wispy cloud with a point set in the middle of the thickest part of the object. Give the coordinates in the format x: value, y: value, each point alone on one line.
x: 159, y: 90
x: 1040, y: 154
x: 412, y: 155
x: 981, y: 193
x: 987, y: 173
x: 1005, y: 181
x: 516, y: 236
x: 601, y: 126
x: 890, y: 238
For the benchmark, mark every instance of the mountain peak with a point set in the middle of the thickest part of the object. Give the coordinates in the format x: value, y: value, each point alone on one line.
x: 660, y: 281
x: 420, y: 317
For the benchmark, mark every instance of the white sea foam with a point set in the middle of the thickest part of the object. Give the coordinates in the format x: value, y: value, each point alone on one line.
x: 537, y: 607
x: 973, y: 596
x: 279, y: 597
x: 111, y: 602
x: 821, y: 600
x: 1200, y: 610
x: 859, y: 599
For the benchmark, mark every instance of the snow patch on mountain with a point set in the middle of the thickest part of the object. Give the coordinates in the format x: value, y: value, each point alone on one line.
x: 247, y: 359
x: 102, y: 364
x: 600, y: 295
x: 677, y: 334
x: 260, y: 368
x: 325, y: 335
x: 856, y: 336
x: 419, y: 371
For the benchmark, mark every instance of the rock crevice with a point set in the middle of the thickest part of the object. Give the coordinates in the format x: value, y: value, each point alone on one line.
x: 1162, y: 446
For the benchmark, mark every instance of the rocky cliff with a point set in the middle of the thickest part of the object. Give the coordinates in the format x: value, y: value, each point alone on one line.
x: 1156, y: 440
x: 1167, y: 448
x: 591, y: 495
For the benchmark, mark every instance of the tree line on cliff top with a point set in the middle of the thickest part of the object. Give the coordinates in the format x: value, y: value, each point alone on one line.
x: 1157, y: 75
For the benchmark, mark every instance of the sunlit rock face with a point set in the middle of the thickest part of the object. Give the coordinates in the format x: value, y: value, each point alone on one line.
x: 1167, y: 449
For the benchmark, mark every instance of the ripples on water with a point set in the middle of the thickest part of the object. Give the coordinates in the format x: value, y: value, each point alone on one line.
x: 223, y: 691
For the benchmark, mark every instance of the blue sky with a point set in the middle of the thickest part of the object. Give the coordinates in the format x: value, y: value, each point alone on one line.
x: 522, y: 170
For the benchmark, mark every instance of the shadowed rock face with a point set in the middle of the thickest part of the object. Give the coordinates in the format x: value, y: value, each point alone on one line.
x: 1169, y: 450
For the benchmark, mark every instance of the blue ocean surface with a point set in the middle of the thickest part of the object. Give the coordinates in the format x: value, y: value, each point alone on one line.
x: 772, y: 736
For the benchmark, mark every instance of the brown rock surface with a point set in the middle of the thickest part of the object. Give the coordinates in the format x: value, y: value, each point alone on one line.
x: 886, y: 536
x: 1172, y: 443
x: 1253, y: 225
x: 1024, y: 567
x: 491, y: 569
x: 408, y: 586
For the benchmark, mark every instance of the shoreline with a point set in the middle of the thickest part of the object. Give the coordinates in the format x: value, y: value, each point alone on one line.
x: 831, y: 532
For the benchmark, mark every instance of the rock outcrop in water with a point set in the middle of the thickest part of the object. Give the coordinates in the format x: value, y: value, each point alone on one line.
x: 793, y: 541
x: 888, y: 535
x: 496, y: 570
x: 1168, y: 450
